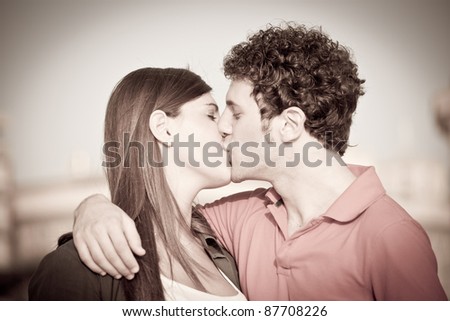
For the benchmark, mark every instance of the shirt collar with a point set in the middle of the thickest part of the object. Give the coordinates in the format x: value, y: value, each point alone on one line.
x: 273, y: 197
x: 363, y: 192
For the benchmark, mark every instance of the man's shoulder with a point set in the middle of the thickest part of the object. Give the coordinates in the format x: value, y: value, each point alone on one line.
x: 386, y: 213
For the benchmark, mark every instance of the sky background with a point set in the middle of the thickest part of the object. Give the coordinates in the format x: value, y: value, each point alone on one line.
x: 61, y: 59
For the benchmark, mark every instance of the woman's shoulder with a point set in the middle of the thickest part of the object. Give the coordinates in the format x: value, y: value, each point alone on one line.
x: 64, y: 260
x: 62, y: 276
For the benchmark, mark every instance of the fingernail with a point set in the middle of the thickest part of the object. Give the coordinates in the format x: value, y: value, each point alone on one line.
x: 135, y: 270
x: 102, y: 273
x: 118, y: 276
x: 130, y: 277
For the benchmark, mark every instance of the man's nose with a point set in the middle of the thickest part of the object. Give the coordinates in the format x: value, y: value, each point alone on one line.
x: 225, y: 126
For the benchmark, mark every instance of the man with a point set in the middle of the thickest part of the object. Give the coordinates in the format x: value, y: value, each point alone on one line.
x: 325, y: 231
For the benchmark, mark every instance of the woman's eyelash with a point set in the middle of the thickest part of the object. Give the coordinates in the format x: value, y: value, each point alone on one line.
x: 212, y: 117
x: 236, y: 115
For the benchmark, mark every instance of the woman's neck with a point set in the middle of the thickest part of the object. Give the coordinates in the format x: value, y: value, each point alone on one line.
x: 183, y: 190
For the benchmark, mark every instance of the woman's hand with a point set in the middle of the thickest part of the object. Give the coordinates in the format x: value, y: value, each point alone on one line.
x: 106, y: 237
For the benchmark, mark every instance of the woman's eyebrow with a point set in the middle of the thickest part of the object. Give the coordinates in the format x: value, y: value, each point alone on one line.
x: 213, y: 105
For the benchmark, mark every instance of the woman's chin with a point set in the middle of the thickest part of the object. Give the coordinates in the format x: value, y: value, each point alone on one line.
x: 219, y: 181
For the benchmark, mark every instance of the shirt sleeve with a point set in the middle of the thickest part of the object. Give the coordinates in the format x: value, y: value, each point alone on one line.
x: 61, y: 276
x: 227, y: 215
x: 403, y: 264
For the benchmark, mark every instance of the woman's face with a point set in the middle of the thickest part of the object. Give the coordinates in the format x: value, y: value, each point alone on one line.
x: 198, y: 145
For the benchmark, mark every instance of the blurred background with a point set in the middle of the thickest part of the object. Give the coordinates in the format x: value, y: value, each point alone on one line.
x: 61, y: 59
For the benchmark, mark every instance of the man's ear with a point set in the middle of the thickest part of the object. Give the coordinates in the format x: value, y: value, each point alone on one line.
x: 158, y: 124
x: 293, y: 124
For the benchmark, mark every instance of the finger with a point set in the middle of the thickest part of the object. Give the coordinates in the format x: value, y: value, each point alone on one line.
x: 123, y: 250
x: 98, y: 255
x: 105, y: 241
x: 86, y: 257
x: 133, y: 237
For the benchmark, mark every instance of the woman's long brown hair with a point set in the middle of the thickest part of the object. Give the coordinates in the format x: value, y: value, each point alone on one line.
x: 140, y: 189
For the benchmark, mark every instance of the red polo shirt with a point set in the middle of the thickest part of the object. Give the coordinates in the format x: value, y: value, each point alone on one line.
x: 364, y: 247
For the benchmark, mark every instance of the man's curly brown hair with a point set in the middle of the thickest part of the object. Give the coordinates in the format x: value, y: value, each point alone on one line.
x: 292, y: 65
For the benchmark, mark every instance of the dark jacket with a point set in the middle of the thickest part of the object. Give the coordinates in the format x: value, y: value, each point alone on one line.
x: 61, y: 276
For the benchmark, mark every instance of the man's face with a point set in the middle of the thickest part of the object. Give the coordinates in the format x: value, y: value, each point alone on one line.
x: 241, y: 124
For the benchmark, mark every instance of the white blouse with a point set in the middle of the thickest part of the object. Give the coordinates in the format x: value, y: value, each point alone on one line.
x: 175, y: 291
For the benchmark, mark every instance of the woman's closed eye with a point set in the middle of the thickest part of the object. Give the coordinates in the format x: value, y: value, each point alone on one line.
x: 212, y: 116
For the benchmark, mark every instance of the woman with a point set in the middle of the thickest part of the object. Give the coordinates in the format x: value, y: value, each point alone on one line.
x: 151, y: 112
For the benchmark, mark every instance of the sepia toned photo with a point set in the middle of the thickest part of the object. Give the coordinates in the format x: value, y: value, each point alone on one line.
x: 235, y: 151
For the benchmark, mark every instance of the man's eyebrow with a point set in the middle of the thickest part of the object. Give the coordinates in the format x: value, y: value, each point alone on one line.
x: 214, y: 105
x: 232, y: 104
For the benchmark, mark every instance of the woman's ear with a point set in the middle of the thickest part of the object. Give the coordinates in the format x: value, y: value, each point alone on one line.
x: 293, y: 124
x: 158, y: 124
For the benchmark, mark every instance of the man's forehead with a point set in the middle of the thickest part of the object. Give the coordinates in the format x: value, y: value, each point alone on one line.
x: 239, y: 90
x: 241, y: 84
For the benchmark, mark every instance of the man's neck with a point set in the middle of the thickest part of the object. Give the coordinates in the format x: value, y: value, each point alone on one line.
x: 308, y: 192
